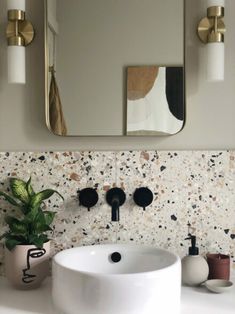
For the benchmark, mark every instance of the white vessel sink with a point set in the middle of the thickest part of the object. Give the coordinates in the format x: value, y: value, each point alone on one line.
x: 146, y: 280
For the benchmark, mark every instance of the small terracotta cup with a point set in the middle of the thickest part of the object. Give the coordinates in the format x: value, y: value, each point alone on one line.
x: 219, y: 266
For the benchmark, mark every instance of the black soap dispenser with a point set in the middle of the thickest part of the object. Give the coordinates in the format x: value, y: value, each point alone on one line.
x: 195, y: 269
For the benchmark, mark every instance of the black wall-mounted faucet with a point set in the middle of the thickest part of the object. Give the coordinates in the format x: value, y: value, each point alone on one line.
x: 115, y: 197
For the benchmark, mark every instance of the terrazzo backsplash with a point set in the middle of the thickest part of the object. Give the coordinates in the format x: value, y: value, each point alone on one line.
x: 194, y: 191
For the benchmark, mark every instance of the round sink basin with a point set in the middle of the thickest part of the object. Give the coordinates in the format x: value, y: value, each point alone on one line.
x: 116, y: 279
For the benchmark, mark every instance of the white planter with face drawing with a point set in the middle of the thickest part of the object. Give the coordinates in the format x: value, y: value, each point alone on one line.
x: 27, y: 266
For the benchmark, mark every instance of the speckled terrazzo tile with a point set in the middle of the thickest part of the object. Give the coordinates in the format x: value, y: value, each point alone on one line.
x: 136, y: 169
x: 193, y: 191
x: 75, y: 225
x: 195, y: 188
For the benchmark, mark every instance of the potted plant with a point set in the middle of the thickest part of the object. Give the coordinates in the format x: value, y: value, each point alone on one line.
x: 27, y: 246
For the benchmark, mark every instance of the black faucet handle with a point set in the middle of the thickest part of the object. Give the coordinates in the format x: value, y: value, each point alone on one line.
x: 88, y: 197
x: 143, y: 197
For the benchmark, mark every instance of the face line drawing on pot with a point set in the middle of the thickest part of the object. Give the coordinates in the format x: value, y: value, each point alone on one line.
x: 32, y: 253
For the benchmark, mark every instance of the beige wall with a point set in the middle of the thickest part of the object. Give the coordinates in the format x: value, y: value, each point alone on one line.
x: 210, y: 107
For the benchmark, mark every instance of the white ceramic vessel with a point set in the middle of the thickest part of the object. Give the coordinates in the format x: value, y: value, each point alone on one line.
x: 146, y: 280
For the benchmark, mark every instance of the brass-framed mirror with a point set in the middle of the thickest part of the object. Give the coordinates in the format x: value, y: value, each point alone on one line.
x: 114, y: 67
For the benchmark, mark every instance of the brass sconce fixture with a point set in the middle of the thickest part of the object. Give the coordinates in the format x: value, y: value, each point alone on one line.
x: 211, y: 30
x: 19, y: 33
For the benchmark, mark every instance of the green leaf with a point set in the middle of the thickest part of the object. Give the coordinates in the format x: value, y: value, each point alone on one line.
x: 25, y: 209
x: 44, y: 238
x: 11, y: 220
x: 23, y: 239
x: 30, y: 216
x: 38, y: 241
x: 17, y: 227
x: 19, y: 190
x: 37, y: 199
x: 29, y: 188
x: 49, y: 217
x: 40, y: 224
x: 39, y: 228
x: 11, y: 243
x: 10, y: 199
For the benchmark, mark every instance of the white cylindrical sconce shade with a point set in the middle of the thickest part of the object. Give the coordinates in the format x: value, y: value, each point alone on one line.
x: 16, y: 5
x: 213, y: 3
x: 16, y: 64
x: 215, y: 61
x: 16, y: 54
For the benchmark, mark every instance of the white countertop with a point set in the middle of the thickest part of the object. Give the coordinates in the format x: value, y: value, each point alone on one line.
x: 194, y: 300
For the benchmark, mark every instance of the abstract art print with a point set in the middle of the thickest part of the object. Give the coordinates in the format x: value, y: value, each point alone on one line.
x: 155, y: 100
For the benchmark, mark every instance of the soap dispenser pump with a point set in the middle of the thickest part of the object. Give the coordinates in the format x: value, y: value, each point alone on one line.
x: 195, y: 269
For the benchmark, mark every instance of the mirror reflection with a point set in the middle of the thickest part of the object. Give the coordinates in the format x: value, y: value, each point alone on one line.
x: 114, y: 67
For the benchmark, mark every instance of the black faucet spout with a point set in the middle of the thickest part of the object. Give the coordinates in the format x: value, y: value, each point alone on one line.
x: 115, y: 198
x: 115, y: 209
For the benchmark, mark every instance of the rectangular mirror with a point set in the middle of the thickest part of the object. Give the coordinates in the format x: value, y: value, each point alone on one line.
x: 114, y: 67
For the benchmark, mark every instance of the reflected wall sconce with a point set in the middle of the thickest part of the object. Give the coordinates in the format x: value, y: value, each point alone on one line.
x: 211, y: 30
x: 19, y: 33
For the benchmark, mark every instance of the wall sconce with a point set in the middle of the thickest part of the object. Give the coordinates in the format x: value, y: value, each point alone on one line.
x: 211, y: 31
x: 19, y: 33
